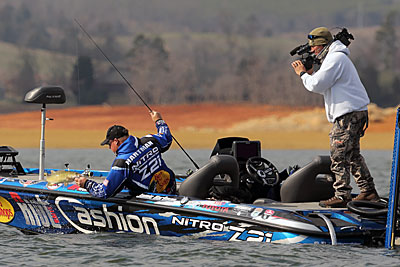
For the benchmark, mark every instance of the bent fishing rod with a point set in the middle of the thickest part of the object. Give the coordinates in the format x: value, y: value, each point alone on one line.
x: 133, y: 89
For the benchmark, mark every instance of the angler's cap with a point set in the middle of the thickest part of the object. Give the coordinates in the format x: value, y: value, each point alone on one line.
x: 319, y: 36
x: 115, y: 131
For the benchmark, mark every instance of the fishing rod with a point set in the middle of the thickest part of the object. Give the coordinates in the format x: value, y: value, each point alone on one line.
x: 133, y: 89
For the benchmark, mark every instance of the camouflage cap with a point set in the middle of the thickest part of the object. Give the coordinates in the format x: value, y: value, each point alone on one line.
x: 319, y: 36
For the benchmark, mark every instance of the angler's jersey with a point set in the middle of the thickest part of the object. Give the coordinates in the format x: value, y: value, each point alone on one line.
x: 139, y: 167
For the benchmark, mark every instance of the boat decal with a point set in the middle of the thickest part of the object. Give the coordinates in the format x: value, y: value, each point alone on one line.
x: 256, y: 212
x: 36, y: 212
x: 269, y: 212
x: 26, y: 183
x: 161, y: 200
x: 167, y: 214
x: 275, y: 220
x: 223, y: 230
x: 70, y: 200
x: 288, y: 238
x: 6, y: 211
x: 156, y: 197
x: 242, y: 210
x: 3, y: 180
x: 215, y: 208
x: 172, y: 202
x: 105, y: 218
x: 242, y: 234
x: 76, y: 187
x: 197, y: 223
x: 53, y: 186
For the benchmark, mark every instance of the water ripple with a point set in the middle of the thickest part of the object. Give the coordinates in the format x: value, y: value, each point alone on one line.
x: 142, y: 250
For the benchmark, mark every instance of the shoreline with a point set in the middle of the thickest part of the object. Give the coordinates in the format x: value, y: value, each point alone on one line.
x: 194, y: 126
x: 190, y: 140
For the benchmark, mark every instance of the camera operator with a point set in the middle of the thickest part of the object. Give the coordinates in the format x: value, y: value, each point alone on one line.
x: 346, y: 103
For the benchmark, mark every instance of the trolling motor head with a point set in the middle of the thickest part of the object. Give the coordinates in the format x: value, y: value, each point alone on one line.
x: 44, y: 95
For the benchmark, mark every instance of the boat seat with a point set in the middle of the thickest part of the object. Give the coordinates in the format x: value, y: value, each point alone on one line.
x: 306, y: 185
x: 7, y: 155
x: 199, y: 183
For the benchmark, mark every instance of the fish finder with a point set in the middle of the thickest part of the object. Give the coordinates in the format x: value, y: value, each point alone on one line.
x: 243, y: 150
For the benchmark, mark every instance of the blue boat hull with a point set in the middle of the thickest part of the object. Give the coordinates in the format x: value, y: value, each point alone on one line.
x: 35, y: 207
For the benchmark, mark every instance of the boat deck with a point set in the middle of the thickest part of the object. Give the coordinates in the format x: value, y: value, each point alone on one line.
x: 294, y: 206
x: 259, y: 202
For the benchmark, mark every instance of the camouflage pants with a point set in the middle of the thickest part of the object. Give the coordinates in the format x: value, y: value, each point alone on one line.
x: 345, y: 154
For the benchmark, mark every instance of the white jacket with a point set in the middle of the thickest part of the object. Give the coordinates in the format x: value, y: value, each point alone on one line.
x: 338, y: 81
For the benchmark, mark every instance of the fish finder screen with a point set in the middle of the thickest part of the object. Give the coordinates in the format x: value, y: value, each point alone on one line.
x: 243, y: 150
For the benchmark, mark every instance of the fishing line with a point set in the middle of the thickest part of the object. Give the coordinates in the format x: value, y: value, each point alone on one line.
x: 78, y: 66
x: 133, y: 89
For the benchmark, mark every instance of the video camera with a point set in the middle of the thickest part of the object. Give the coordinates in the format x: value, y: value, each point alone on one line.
x: 306, y: 57
x: 309, y: 59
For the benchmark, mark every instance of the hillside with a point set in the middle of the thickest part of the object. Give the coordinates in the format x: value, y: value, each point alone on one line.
x: 186, y: 51
x: 194, y: 126
x: 206, y: 15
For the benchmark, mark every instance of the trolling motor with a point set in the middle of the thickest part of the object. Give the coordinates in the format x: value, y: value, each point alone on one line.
x: 44, y: 95
x: 309, y: 59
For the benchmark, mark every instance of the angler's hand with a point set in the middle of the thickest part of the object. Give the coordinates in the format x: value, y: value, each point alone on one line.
x: 155, y: 116
x: 80, y: 181
x: 298, y: 67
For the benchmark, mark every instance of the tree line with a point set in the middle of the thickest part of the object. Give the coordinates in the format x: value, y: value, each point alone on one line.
x: 233, y: 66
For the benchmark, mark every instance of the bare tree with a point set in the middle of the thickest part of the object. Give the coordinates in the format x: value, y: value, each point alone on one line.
x: 149, y: 67
x: 24, y: 78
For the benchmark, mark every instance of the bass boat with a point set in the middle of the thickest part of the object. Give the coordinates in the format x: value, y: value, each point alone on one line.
x: 236, y: 196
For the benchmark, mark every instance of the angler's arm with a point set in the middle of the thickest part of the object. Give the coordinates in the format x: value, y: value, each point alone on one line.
x: 163, y: 136
x: 111, y: 185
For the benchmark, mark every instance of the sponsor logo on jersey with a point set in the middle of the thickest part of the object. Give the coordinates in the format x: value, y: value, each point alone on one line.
x: 159, y: 181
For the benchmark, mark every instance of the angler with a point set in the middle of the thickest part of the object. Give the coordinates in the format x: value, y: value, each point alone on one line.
x: 138, y: 165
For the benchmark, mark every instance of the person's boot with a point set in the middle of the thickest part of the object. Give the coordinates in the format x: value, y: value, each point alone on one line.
x: 368, y: 196
x: 334, y: 202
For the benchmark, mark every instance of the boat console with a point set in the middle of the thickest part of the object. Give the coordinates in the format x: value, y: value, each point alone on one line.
x: 259, y: 179
x: 225, y: 168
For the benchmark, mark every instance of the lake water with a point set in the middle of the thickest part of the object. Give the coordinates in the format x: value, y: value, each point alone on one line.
x: 128, y: 250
